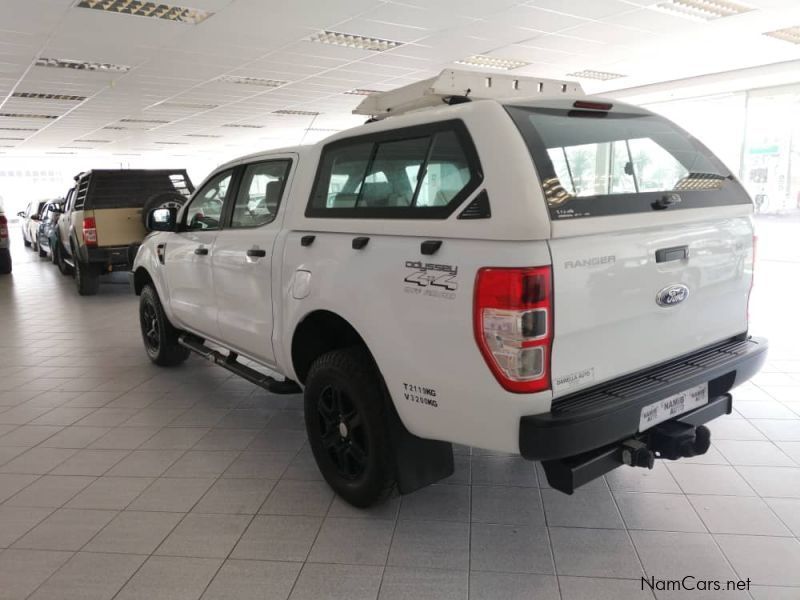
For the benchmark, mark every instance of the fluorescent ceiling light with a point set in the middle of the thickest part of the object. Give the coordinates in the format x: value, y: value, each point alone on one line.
x: 26, y: 116
x: 173, y: 143
x: 77, y: 147
x: 115, y: 127
x: 305, y: 113
x: 188, y: 105
x: 93, y: 141
x: 360, y: 42
x: 590, y: 74
x: 790, y: 34
x: 81, y: 65
x: 362, y: 92
x: 180, y: 14
x: 202, y: 135
x: 154, y: 121
x: 492, y: 62
x: 125, y: 154
x: 58, y: 152
x: 252, y: 81
x: 243, y: 126
x: 39, y: 96
x: 12, y: 139
x: 18, y: 129
x: 705, y: 10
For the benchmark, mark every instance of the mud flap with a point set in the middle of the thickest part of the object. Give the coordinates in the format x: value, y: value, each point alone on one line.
x: 419, y: 462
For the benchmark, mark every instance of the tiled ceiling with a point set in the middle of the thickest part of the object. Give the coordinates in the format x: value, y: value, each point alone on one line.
x: 101, y: 77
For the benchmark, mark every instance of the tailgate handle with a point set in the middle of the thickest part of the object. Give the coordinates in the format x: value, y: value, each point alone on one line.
x: 430, y: 246
x: 670, y: 254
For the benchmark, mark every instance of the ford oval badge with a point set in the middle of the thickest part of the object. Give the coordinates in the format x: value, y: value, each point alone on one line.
x: 672, y: 295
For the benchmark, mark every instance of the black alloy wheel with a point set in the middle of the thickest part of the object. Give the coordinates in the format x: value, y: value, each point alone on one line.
x: 343, y: 435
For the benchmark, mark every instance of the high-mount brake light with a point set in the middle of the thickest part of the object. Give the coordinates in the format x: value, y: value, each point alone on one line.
x: 589, y: 105
x: 89, y: 231
x: 513, y: 321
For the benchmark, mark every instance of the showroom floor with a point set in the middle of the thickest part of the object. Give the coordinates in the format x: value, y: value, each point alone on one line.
x: 122, y: 480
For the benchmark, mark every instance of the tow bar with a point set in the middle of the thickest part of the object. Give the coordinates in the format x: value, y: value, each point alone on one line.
x: 682, y: 437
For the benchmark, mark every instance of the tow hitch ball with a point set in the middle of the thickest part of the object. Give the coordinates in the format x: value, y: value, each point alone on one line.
x: 671, y: 440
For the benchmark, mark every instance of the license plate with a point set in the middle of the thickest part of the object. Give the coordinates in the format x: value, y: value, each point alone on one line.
x: 672, y: 406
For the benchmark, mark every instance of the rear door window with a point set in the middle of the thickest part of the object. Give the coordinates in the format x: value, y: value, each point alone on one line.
x: 416, y: 172
x: 599, y: 163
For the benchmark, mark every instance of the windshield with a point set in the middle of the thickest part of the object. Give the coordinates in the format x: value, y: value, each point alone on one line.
x: 598, y: 163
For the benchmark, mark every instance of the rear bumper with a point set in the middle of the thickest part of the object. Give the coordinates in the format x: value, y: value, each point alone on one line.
x: 114, y: 258
x: 609, y: 413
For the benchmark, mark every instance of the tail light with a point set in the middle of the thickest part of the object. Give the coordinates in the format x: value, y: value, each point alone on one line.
x: 89, y: 231
x: 3, y: 227
x: 513, y: 320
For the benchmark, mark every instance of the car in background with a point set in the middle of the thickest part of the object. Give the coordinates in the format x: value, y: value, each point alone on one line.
x: 30, y: 222
x: 103, y: 221
x: 47, y: 234
x: 5, y: 252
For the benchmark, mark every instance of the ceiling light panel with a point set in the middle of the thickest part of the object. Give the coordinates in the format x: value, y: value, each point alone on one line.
x: 492, y: 62
x: 18, y: 129
x: 359, y: 42
x: 252, y: 81
x: 81, y: 65
x: 40, y: 96
x: 362, y: 92
x: 26, y: 116
x: 186, y: 105
x: 790, y: 34
x: 243, y: 126
x: 705, y: 10
x: 202, y: 135
x: 303, y: 113
x: 599, y: 75
x: 93, y: 141
x: 137, y: 8
x: 146, y: 121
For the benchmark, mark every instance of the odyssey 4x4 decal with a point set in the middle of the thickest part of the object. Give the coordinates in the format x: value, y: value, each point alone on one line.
x: 431, y: 279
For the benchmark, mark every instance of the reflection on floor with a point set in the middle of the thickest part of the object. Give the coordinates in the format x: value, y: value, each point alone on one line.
x: 118, y: 479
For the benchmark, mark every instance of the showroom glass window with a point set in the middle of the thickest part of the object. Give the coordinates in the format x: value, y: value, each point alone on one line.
x: 205, y: 210
x: 415, y: 172
x: 260, y: 193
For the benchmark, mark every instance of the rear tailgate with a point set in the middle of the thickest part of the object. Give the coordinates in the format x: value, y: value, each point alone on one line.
x: 651, y: 243
x: 119, y: 226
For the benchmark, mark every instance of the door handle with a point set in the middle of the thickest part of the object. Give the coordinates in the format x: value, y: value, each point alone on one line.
x: 256, y: 253
x: 201, y: 251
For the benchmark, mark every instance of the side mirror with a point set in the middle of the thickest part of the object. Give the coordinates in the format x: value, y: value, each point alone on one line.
x: 162, y: 219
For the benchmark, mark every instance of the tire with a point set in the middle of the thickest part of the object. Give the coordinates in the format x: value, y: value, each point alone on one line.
x: 5, y: 261
x: 58, y: 258
x: 87, y: 278
x: 159, y: 336
x: 163, y: 199
x: 42, y: 253
x: 25, y: 241
x: 345, y: 407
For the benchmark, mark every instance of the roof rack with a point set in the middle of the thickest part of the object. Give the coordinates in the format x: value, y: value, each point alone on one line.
x: 453, y: 86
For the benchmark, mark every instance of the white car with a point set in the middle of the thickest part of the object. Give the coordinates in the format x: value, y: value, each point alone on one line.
x: 492, y: 261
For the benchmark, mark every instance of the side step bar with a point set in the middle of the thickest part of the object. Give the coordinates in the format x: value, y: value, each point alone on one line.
x: 230, y: 362
x: 683, y: 436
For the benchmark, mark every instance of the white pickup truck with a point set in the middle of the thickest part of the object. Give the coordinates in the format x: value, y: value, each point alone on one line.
x: 493, y: 261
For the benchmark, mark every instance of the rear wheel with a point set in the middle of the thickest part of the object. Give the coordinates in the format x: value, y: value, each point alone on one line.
x: 345, y: 420
x: 87, y: 278
x: 159, y: 336
x: 42, y: 253
x: 26, y: 242
x: 5, y: 261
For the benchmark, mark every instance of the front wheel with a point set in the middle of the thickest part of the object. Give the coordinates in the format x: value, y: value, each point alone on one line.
x: 347, y: 429
x: 42, y: 252
x: 159, y: 336
x: 58, y: 258
x: 87, y: 278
